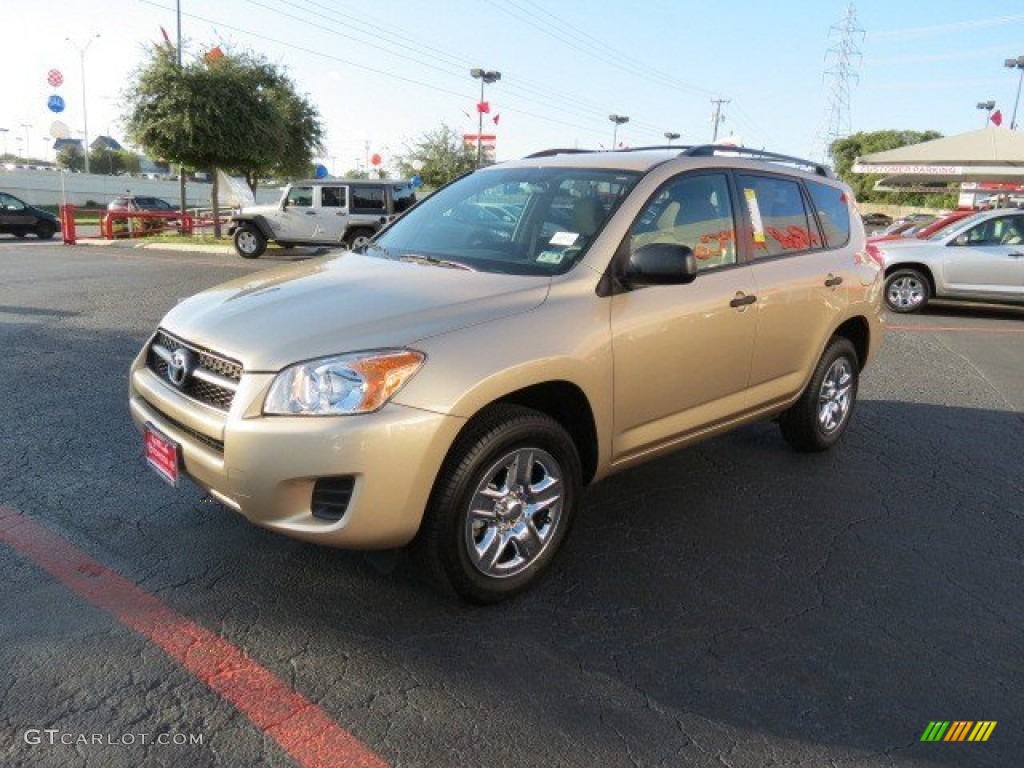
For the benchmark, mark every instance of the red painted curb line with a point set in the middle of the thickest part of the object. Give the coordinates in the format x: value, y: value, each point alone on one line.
x: 300, y: 727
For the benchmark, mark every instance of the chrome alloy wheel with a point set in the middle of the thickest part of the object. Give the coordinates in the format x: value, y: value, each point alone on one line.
x: 906, y: 292
x: 514, y: 512
x: 834, y: 398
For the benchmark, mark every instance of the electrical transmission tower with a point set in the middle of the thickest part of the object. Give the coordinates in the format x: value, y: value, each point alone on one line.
x: 841, y: 62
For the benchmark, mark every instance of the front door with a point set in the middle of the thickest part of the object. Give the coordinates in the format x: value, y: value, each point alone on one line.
x: 299, y: 217
x: 987, y: 261
x: 682, y: 352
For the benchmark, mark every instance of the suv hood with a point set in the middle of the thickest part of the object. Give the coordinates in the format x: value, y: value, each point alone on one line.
x: 345, y: 303
x: 258, y: 210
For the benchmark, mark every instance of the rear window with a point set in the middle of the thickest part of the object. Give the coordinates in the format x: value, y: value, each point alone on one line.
x: 833, y: 211
x: 778, y: 217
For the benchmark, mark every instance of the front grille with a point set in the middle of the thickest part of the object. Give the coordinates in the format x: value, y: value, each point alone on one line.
x: 210, y: 442
x: 331, y: 496
x: 197, y: 386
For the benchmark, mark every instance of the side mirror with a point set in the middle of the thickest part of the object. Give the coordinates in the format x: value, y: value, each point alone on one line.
x: 661, y: 264
x: 960, y: 240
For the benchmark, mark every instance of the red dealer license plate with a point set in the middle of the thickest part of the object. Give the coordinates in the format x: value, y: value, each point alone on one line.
x: 162, y: 454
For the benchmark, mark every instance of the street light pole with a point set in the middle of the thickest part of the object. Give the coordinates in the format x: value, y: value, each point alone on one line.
x: 988, y: 106
x: 85, y: 115
x: 671, y: 136
x: 617, y: 120
x: 484, y: 76
x: 28, y: 144
x: 4, y: 132
x: 1017, y: 63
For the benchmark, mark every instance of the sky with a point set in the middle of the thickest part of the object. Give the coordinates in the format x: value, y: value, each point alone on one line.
x: 383, y: 74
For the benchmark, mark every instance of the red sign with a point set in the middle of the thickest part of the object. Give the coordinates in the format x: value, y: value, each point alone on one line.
x: 162, y: 455
x: 54, y: 77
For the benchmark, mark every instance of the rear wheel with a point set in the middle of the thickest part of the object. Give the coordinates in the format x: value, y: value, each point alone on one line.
x: 818, y: 419
x: 358, y: 237
x: 249, y: 242
x: 502, y: 504
x: 907, y: 290
x: 45, y: 230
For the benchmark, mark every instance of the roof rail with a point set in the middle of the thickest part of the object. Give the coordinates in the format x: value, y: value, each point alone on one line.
x: 710, y: 150
x: 553, y: 152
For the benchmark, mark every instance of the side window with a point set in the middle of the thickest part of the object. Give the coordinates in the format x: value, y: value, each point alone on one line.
x: 369, y: 199
x: 332, y: 197
x: 300, y: 197
x: 832, y: 206
x: 404, y: 198
x: 692, y: 210
x: 778, y: 218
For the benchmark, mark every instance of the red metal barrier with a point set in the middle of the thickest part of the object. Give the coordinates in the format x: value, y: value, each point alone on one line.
x: 148, y: 223
x: 67, y: 224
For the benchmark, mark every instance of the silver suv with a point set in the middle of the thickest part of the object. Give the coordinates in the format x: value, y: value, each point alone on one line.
x: 532, y: 327
x: 321, y: 212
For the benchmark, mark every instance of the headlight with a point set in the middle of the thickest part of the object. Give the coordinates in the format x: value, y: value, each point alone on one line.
x: 358, y: 383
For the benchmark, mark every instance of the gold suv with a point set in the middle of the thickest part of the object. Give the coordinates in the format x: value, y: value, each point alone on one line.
x: 531, y: 328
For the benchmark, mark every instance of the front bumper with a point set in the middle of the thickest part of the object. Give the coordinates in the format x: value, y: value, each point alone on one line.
x: 265, y: 467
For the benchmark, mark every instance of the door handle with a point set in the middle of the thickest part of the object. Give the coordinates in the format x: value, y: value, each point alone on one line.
x: 311, y: 213
x: 742, y: 300
x: 833, y: 281
x: 1016, y: 255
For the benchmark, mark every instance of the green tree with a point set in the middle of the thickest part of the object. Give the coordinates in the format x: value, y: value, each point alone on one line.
x: 845, y: 152
x: 113, y: 161
x: 438, y: 156
x: 238, y: 113
x: 70, y: 157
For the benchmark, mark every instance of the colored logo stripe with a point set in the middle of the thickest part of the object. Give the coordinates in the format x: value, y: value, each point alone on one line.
x: 958, y: 730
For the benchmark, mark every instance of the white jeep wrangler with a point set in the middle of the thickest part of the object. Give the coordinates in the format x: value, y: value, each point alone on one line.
x: 321, y: 212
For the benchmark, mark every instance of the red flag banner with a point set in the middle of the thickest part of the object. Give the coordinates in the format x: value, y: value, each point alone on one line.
x: 484, y: 107
x: 997, y: 118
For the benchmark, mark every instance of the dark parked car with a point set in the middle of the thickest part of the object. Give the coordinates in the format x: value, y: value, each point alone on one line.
x: 876, y: 220
x: 18, y: 218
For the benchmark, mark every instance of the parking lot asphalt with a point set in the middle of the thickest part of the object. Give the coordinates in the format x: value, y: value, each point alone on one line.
x: 734, y: 604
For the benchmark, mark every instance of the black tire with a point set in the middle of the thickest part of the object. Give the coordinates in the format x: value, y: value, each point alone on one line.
x: 907, y: 290
x: 819, y: 418
x: 45, y: 230
x: 249, y: 241
x: 501, y: 440
x: 358, y: 237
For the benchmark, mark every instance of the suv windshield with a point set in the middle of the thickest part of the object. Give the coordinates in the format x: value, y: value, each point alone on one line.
x: 528, y: 221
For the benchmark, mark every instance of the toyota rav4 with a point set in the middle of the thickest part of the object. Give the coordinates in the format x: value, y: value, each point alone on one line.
x: 532, y: 327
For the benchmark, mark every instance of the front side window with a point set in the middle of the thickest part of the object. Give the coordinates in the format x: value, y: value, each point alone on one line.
x: 300, y: 197
x: 10, y: 202
x: 527, y: 221
x: 779, y: 221
x: 693, y: 210
x: 1003, y: 230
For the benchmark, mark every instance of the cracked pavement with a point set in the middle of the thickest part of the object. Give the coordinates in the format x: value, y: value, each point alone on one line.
x: 734, y: 604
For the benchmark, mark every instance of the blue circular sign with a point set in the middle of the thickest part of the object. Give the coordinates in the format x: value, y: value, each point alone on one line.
x: 321, y: 171
x: 55, y: 103
x: 416, y: 180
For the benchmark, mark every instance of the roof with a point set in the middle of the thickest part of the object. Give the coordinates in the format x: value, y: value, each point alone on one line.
x: 352, y: 182
x: 988, y: 154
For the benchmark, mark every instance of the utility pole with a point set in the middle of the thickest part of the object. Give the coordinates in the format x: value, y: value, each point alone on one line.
x: 181, y: 168
x: 718, y: 118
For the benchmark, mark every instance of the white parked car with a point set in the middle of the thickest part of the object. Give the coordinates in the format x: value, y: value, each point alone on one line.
x: 980, y: 258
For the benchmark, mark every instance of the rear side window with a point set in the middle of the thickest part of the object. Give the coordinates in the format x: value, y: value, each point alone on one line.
x: 404, y: 197
x: 833, y: 211
x: 780, y: 224
x: 367, y: 199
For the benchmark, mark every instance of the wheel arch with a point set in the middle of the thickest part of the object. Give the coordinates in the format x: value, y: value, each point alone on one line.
x: 258, y: 221
x: 857, y: 331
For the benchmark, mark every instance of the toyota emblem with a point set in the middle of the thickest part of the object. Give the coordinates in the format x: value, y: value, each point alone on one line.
x: 180, y: 367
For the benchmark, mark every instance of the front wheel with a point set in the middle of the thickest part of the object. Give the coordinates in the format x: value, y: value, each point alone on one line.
x: 906, y: 290
x: 502, y: 505
x: 249, y: 242
x: 45, y: 230
x: 818, y: 419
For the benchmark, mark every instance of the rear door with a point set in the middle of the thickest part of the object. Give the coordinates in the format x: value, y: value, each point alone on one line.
x: 798, y: 279
x: 332, y: 213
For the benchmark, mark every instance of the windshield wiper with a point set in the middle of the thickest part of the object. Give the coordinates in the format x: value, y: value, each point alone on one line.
x: 433, y: 261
